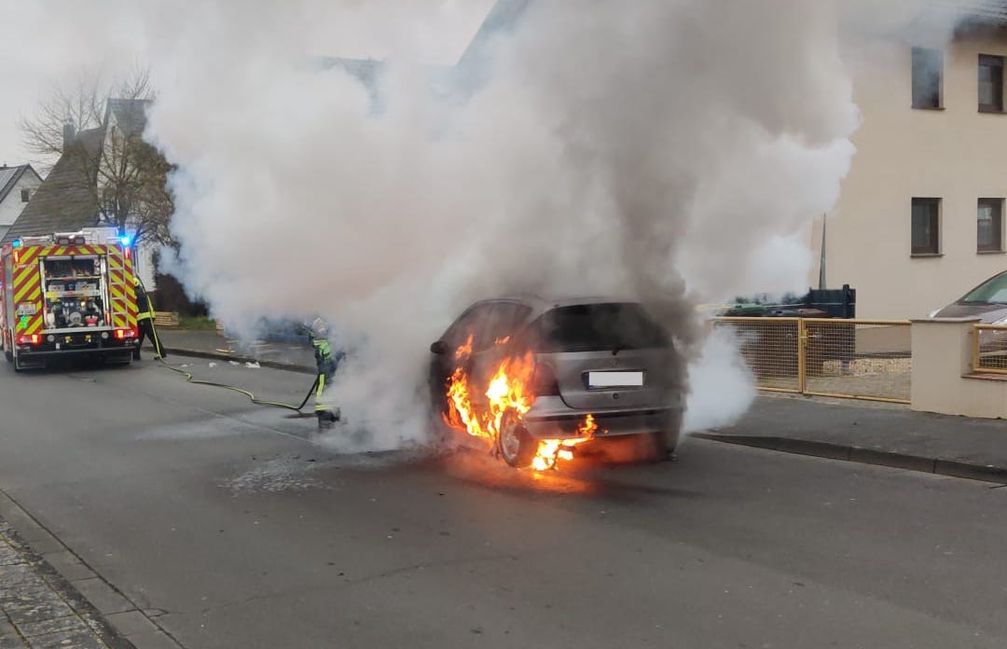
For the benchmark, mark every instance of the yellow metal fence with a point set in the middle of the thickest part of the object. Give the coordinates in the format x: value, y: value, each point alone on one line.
x: 858, y: 359
x: 989, y: 349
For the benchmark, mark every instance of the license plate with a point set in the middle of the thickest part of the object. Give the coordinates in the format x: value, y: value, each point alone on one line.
x: 615, y: 379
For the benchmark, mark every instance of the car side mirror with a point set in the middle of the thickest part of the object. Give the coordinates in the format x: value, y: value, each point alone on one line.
x: 439, y: 348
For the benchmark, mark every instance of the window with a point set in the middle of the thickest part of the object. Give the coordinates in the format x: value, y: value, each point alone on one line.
x: 25, y: 195
x: 928, y: 73
x: 597, y: 327
x: 991, y: 84
x: 469, y: 324
x: 992, y: 291
x: 989, y: 220
x: 926, y: 226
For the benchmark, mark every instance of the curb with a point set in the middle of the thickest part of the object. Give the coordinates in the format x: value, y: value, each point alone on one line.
x: 217, y: 356
x: 845, y: 453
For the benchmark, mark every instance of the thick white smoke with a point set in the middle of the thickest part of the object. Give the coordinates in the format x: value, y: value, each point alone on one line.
x: 647, y: 149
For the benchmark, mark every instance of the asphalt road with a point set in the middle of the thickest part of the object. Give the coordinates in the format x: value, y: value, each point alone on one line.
x: 223, y: 518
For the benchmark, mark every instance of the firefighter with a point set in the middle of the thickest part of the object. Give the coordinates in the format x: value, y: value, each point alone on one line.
x: 145, y: 321
x: 327, y: 363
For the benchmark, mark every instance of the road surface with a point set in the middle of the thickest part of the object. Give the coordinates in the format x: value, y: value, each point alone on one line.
x: 229, y: 529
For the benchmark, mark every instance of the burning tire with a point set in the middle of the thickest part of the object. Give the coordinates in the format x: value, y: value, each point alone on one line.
x: 517, y: 446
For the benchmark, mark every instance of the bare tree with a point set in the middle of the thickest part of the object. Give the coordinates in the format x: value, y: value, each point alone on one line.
x: 98, y: 129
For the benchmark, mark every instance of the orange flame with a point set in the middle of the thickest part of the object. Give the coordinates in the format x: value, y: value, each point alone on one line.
x: 508, y: 391
x: 463, y: 352
x: 551, y: 451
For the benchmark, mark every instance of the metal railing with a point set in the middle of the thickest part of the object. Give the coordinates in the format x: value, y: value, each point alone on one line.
x: 853, y: 359
x: 989, y: 349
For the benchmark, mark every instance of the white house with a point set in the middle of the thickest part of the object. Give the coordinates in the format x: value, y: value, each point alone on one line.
x: 17, y: 186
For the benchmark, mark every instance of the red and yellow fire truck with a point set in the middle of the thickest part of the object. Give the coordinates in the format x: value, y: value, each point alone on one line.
x: 67, y: 293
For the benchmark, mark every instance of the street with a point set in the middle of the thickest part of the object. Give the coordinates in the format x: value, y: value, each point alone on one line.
x: 227, y: 528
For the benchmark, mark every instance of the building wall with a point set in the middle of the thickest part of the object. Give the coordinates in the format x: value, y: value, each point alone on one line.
x: 145, y: 268
x: 11, y: 206
x: 957, y: 154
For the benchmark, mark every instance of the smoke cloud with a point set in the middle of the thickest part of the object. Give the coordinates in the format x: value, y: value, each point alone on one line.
x: 663, y: 151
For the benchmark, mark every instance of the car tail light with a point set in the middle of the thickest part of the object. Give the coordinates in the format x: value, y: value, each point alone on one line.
x: 125, y: 334
x: 33, y: 339
x: 544, y: 383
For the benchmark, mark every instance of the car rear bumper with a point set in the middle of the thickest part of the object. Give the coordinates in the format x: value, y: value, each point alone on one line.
x: 547, y: 423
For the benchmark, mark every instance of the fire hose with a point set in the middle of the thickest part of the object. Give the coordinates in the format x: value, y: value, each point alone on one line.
x: 257, y: 401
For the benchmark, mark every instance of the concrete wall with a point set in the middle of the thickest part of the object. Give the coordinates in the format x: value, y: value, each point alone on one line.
x: 11, y: 206
x: 942, y: 357
x: 957, y: 154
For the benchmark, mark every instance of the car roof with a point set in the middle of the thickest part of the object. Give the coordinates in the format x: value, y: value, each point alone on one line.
x: 540, y: 304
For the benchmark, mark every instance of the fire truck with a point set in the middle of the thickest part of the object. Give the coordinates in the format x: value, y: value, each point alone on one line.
x: 67, y: 294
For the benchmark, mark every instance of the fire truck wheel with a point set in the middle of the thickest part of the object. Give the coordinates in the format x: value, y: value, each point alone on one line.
x: 517, y: 447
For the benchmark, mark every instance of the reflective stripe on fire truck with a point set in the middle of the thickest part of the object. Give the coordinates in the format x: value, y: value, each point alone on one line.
x: 120, y: 289
x: 27, y: 291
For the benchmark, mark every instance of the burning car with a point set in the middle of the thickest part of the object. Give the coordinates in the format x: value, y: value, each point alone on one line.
x: 535, y: 379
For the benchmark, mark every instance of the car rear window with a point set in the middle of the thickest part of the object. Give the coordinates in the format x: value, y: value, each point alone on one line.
x: 993, y: 291
x: 597, y: 327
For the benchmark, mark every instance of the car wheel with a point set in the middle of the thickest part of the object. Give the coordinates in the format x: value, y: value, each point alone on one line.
x: 517, y: 446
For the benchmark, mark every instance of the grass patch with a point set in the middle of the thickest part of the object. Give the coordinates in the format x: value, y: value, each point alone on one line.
x: 197, y: 323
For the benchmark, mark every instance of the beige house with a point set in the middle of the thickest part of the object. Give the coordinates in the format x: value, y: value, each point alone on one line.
x: 921, y: 216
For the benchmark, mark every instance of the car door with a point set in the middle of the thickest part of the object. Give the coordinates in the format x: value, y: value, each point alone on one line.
x: 443, y: 364
x: 496, y: 326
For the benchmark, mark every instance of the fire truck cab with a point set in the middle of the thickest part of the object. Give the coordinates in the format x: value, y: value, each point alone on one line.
x: 67, y: 294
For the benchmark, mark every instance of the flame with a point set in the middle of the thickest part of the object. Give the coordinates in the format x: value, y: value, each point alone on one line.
x: 551, y: 451
x: 463, y: 352
x: 508, y: 391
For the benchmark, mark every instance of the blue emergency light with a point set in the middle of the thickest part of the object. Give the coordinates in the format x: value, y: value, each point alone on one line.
x: 16, y: 243
x: 125, y: 240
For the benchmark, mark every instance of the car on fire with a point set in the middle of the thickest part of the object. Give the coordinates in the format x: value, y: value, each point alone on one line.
x: 547, y: 373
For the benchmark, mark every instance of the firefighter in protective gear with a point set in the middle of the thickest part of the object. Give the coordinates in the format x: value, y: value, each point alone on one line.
x: 145, y: 321
x: 327, y: 363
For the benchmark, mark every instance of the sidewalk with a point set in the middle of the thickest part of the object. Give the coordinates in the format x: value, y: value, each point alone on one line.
x: 874, y: 434
x: 39, y: 609
x: 210, y: 344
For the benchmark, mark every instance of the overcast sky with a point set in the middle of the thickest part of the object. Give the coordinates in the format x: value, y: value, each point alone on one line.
x: 50, y: 43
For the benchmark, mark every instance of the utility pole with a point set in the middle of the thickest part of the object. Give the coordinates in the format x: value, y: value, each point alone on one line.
x: 822, y: 283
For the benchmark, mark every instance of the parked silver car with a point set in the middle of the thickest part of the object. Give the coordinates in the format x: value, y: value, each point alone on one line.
x: 988, y: 302
x: 604, y: 358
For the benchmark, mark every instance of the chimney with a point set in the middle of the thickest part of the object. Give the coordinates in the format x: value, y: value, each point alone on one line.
x: 69, y: 133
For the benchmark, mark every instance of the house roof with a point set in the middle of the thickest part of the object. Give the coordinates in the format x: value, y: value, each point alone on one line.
x: 64, y: 201
x: 9, y: 177
x: 130, y: 114
x: 987, y: 11
x: 502, y: 18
